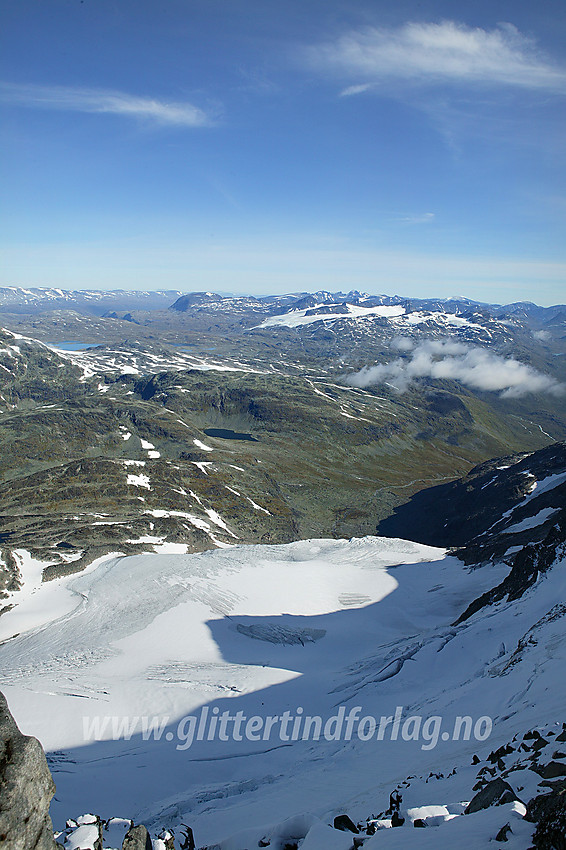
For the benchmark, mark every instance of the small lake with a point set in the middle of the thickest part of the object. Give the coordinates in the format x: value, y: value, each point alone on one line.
x: 226, y: 434
x: 72, y: 345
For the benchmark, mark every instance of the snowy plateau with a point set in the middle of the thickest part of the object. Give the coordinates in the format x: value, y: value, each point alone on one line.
x: 305, y: 627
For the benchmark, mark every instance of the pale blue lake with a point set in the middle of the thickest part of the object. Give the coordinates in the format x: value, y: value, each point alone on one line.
x: 72, y: 345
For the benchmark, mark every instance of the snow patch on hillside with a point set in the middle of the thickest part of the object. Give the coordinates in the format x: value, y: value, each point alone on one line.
x: 298, y: 318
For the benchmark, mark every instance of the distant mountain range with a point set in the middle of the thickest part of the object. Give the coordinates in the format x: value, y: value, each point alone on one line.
x: 91, y: 302
x: 97, y: 302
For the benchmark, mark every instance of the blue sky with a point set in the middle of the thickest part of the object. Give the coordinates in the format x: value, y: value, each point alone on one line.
x: 261, y: 146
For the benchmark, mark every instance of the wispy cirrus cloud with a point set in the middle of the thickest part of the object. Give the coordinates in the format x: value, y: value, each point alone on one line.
x: 433, y: 53
x: 419, y: 218
x: 104, y: 101
x: 357, y: 89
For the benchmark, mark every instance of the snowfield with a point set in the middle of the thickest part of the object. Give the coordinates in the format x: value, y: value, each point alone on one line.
x: 312, y: 628
x: 298, y: 318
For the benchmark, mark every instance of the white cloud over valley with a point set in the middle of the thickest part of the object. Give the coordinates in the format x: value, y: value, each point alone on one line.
x: 472, y: 366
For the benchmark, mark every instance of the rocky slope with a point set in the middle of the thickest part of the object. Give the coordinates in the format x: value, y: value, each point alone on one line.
x: 26, y: 789
x: 514, y: 488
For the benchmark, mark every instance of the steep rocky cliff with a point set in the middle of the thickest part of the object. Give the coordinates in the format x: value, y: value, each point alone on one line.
x: 26, y: 789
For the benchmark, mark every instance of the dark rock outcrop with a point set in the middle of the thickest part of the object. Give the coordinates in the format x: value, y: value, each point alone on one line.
x: 495, y: 793
x: 549, y: 812
x: 551, y: 770
x: 137, y: 838
x: 26, y: 789
x: 503, y: 833
x: 345, y: 824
